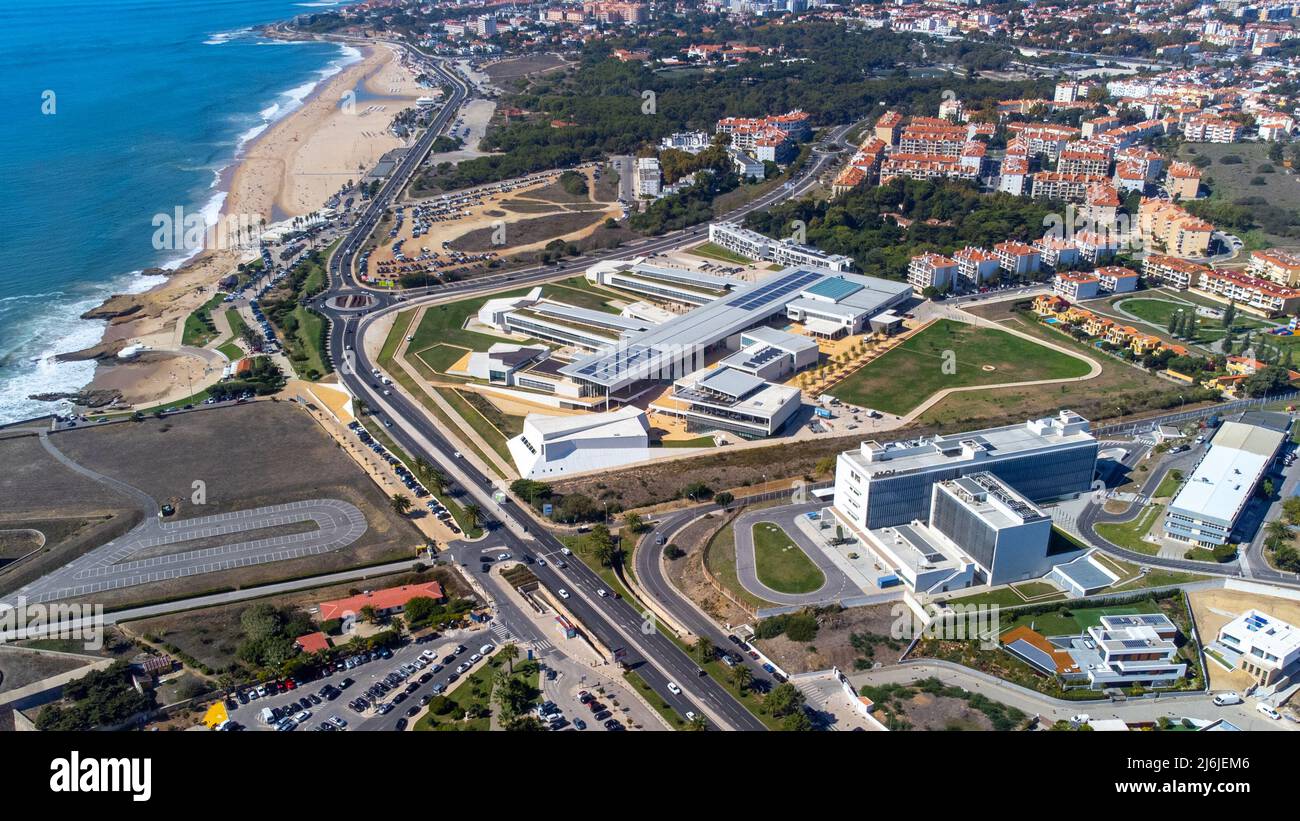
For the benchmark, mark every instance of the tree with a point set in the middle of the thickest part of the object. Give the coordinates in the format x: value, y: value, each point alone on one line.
x: 602, y: 545
x: 400, y: 502
x: 367, y: 613
x: 784, y: 699
x: 724, y: 498
x: 797, y: 722
x: 1230, y: 314
x: 697, y: 724
x: 634, y: 523
x: 509, y: 652
x: 472, y: 514
x: 1277, y: 530
x: 741, y: 676
x: 1291, y: 509
x: 704, y: 651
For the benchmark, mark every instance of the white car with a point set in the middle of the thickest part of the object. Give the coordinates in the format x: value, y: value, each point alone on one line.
x: 1269, y: 711
x: 564, y: 594
x: 487, y: 648
x: 1081, y: 718
x: 566, y: 551
x: 501, y: 557
x: 430, y: 655
x: 302, y: 717
x: 1225, y: 699
x: 475, y: 659
x: 601, y: 592
x: 690, y: 715
x: 674, y: 689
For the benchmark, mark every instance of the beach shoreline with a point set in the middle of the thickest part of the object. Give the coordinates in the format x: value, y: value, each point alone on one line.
x: 339, y: 131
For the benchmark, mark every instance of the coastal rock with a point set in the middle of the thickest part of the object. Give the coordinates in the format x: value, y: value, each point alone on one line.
x: 115, y: 307
x: 104, y: 350
x: 85, y: 399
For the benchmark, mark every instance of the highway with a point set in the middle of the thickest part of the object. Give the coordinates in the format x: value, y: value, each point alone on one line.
x: 615, y: 623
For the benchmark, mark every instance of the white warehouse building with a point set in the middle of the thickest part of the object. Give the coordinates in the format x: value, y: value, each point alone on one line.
x: 551, y: 446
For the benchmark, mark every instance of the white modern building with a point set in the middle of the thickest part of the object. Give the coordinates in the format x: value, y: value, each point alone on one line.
x: 890, y: 483
x: 649, y: 178
x: 1207, y: 507
x: 760, y: 247
x: 730, y: 400
x: 979, y: 532
x: 1130, y: 651
x: 662, y: 283
x: 1268, y: 648
x: 552, y: 446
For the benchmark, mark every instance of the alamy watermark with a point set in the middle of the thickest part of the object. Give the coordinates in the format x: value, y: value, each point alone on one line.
x: 67, y: 621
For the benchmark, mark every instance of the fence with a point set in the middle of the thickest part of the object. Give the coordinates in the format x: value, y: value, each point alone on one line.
x: 1147, y: 425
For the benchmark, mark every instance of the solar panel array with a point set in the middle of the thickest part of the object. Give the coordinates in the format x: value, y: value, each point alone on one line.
x: 1034, y: 655
x: 775, y: 290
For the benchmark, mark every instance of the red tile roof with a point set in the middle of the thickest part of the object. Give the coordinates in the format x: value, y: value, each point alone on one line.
x: 313, y: 642
x: 387, y: 599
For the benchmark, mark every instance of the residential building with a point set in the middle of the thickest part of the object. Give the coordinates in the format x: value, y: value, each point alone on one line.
x: 1265, y: 647
x: 1017, y: 259
x: 934, y: 271
x: 1255, y: 294
x: 1211, y: 129
x: 976, y: 266
x: 1282, y: 267
x: 649, y: 177
x: 1117, y: 279
x: 1076, y: 286
x: 762, y: 248
x: 1174, y: 272
x: 1183, y: 181
x: 1168, y: 227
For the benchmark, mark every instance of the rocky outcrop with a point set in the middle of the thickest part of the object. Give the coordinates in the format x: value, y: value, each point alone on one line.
x: 85, y: 399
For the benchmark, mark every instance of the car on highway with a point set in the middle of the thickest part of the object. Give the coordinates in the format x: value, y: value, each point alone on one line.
x: 564, y: 594
x: 674, y: 689
x: 600, y: 591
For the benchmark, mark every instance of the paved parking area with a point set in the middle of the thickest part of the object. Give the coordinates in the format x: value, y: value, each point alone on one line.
x: 109, y: 567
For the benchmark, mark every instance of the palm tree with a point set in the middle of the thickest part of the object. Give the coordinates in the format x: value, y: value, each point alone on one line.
x: 472, y: 512
x: 697, y: 724
x: 741, y: 676
x: 510, y: 652
x: 401, y: 503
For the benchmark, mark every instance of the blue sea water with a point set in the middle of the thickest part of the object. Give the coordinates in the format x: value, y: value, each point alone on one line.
x: 115, y: 111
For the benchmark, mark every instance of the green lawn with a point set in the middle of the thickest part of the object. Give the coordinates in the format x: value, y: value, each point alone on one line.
x: 697, y: 442
x: 716, y: 251
x: 474, y: 693
x: 237, y: 324
x: 305, y: 347
x: 951, y: 354
x: 231, y: 351
x: 781, y: 564
x: 721, y: 558
x: 1129, y: 534
x: 1169, y: 484
x: 199, y: 328
x: 1074, y: 620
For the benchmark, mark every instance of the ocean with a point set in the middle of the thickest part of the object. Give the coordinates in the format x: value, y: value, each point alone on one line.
x: 117, y: 111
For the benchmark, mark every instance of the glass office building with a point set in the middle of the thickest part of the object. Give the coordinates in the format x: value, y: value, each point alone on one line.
x: 881, y: 485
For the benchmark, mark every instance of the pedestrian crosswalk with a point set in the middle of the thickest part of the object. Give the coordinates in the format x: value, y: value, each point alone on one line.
x: 502, y: 632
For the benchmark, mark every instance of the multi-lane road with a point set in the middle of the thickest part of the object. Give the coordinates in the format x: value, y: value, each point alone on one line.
x: 615, y: 623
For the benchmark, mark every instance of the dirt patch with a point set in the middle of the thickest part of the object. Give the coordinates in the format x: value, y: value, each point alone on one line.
x: 528, y: 231
x: 687, y: 574
x: 856, y: 638
x: 19, y: 668
x: 509, y: 72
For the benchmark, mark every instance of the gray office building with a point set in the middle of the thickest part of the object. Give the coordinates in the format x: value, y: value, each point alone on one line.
x: 886, y: 484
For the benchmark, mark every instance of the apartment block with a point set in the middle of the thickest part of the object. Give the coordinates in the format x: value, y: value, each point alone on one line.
x: 931, y: 271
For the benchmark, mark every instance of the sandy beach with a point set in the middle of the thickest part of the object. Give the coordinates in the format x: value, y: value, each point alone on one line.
x: 291, y: 169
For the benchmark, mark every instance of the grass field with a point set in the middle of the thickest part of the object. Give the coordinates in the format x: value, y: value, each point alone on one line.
x: 237, y: 324
x: 781, y: 564
x: 712, y: 250
x: 199, y: 328
x: 1169, y: 484
x: 306, y: 346
x: 950, y: 354
x: 1129, y: 534
x: 1232, y: 182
